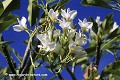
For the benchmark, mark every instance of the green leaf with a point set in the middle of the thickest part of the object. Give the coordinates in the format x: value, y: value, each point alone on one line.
x: 31, y: 71
x: 99, y: 3
x: 109, y: 0
x: 43, y: 78
x: 82, y: 60
x: 10, y: 5
x: 7, y: 21
x: 107, y: 24
x: 33, y: 12
x: 17, y: 55
x: 115, y: 33
x: 113, y: 68
x: 50, y: 1
x: 60, y: 5
x: 95, y: 25
x: 5, y: 42
x: 1, y: 8
x: 108, y: 44
x: 53, y: 78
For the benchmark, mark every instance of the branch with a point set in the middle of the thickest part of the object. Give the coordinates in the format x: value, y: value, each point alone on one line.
x: 26, y: 55
x: 71, y: 74
x: 98, y: 51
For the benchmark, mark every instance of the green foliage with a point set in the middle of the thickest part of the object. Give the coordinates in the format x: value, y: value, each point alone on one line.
x: 107, y: 24
x: 100, y: 39
x: 60, y: 5
x: 114, y: 33
x: 113, y: 68
x: 17, y: 55
x: 82, y: 60
x: 7, y: 21
x: 99, y: 3
x: 33, y: 11
x: 10, y: 5
x: 95, y: 25
x: 1, y: 8
x: 31, y: 71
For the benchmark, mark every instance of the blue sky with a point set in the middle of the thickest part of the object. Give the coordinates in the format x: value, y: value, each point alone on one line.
x: 83, y: 12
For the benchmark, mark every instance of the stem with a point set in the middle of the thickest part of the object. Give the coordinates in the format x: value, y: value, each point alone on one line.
x: 26, y: 54
x: 98, y: 51
x: 27, y: 66
x: 71, y: 74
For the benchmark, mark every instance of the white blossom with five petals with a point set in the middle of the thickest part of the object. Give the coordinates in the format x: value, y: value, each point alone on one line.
x: 68, y: 15
x: 85, y: 26
x: 21, y: 26
x: 47, y: 44
x: 53, y: 14
x: 64, y: 24
x: 78, y: 50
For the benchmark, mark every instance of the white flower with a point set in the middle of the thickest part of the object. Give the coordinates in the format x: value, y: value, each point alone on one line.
x: 78, y: 50
x: 80, y: 39
x: 64, y: 24
x: 68, y: 15
x: 98, y: 21
x: 44, y: 39
x: 46, y: 44
x: 53, y: 14
x: 115, y: 26
x: 56, y: 33
x: 85, y: 26
x: 21, y: 26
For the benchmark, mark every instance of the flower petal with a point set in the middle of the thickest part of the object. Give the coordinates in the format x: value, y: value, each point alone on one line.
x: 23, y: 21
x: 18, y: 28
x: 73, y: 14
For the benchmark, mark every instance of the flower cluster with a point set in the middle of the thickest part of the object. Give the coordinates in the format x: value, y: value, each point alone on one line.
x: 55, y: 40
x: 68, y: 38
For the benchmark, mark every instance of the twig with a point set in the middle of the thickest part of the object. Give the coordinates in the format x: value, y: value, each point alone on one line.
x: 71, y: 74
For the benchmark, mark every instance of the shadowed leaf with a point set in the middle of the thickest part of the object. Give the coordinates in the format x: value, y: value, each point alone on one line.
x: 99, y: 3
x: 7, y: 21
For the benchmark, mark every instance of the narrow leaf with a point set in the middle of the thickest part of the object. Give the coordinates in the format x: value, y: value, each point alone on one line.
x: 1, y: 8
x: 10, y: 5
x: 33, y: 12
